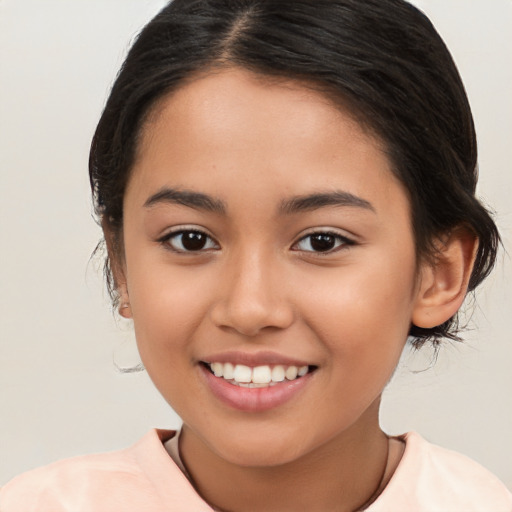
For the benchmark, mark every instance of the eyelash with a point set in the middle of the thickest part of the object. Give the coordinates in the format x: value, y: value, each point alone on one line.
x: 167, y: 241
x: 342, y: 242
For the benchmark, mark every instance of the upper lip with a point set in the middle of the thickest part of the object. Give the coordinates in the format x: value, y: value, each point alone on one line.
x: 253, y: 359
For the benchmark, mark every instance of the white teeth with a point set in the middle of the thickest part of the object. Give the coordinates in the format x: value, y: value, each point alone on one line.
x: 253, y: 384
x: 291, y: 372
x: 259, y: 376
x: 277, y: 374
x: 242, y: 373
x: 302, y: 371
x: 217, y: 369
x: 228, y: 371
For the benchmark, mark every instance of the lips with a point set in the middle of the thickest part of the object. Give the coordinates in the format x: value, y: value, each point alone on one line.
x: 255, y: 382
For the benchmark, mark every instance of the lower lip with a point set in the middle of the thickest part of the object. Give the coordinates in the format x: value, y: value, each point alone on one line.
x: 254, y: 399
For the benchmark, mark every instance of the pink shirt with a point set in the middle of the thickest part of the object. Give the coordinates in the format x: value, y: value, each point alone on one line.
x: 145, y: 478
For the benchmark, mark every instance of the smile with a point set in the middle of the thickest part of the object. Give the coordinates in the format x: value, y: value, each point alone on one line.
x: 258, y: 376
x: 256, y: 388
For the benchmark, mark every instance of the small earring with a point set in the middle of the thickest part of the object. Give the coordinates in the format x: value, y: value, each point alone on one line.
x: 122, y: 308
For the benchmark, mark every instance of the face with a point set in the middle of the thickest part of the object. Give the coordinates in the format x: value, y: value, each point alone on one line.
x: 266, y: 235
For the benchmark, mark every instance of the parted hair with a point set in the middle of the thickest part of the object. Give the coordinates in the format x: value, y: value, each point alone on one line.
x: 380, y: 60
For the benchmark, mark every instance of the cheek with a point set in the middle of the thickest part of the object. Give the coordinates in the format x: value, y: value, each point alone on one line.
x: 363, y: 308
x: 362, y: 326
x: 167, y: 306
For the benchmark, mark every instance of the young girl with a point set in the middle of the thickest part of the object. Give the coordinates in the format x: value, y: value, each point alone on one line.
x: 287, y: 193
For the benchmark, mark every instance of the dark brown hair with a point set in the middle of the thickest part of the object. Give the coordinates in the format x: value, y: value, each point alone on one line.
x: 382, y: 58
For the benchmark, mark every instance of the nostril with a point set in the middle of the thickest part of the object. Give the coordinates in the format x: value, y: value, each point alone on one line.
x: 250, y: 317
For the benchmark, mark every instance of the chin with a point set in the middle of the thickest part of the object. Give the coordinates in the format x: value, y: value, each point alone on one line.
x: 260, y: 450
x: 266, y: 457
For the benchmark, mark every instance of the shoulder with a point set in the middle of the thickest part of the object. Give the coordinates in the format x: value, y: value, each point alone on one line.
x: 430, y: 478
x: 50, y: 487
x: 125, y: 480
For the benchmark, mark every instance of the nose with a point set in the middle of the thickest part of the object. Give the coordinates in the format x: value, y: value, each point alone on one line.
x: 252, y: 296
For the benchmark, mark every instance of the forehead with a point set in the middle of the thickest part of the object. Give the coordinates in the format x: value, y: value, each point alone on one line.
x: 233, y: 126
x: 225, y: 99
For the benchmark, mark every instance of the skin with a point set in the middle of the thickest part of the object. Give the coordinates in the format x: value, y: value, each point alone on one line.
x: 252, y: 145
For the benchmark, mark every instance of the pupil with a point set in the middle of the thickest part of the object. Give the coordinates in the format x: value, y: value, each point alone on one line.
x: 322, y: 242
x: 193, y: 241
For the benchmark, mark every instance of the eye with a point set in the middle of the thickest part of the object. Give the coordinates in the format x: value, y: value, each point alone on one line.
x: 322, y: 242
x: 189, y: 240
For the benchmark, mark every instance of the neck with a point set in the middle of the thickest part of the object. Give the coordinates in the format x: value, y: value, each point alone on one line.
x: 344, y: 474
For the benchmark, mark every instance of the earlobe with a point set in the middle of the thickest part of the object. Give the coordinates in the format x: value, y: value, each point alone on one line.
x: 443, y: 284
x: 115, y: 252
x: 125, y: 309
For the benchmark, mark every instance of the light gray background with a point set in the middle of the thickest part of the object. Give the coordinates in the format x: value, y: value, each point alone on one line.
x: 60, y: 394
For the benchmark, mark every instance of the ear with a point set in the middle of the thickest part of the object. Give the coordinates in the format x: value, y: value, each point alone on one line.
x: 124, y: 308
x: 443, y: 284
x: 116, y: 266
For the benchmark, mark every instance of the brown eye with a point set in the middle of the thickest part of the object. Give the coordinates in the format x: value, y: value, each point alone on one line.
x: 193, y: 241
x: 190, y: 241
x: 322, y: 242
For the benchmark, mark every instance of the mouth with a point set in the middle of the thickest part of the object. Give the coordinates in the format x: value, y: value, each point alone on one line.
x: 263, y: 376
x: 258, y: 381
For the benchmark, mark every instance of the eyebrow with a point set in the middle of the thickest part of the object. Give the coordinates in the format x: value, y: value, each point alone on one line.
x: 188, y: 198
x: 297, y: 204
x: 322, y: 200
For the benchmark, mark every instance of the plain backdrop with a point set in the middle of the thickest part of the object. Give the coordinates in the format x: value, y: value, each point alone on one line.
x: 60, y: 392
